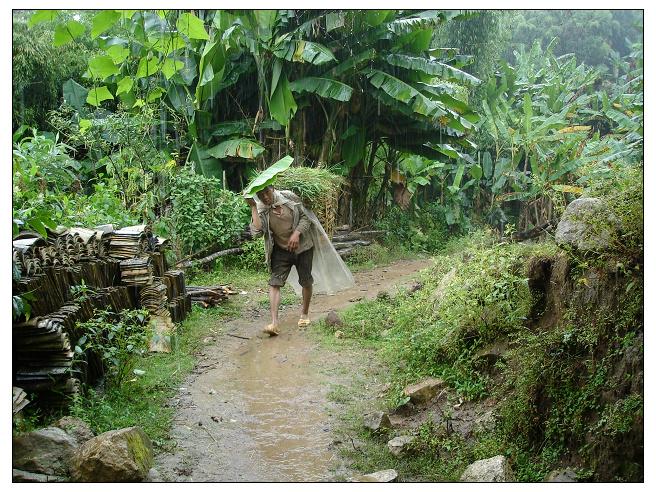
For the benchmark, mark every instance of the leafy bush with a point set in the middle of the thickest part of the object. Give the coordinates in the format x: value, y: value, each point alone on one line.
x: 203, y: 214
x: 118, y: 338
x: 252, y: 259
x: 425, y: 230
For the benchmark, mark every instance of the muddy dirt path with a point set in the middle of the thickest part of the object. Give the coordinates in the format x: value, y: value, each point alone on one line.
x: 256, y: 409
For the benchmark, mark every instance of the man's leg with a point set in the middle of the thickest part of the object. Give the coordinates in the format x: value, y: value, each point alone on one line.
x: 307, y: 296
x: 274, y: 302
x: 304, y: 268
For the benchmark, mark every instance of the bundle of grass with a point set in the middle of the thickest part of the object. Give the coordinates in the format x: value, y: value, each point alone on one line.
x: 318, y: 188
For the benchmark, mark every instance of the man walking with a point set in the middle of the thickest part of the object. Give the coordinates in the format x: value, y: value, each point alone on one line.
x: 286, y: 227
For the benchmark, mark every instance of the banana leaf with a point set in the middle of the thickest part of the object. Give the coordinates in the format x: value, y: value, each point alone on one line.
x: 323, y: 87
x: 267, y: 177
x: 238, y: 147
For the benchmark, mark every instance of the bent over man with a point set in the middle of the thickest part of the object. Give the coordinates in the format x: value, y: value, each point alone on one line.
x: 288, y: 242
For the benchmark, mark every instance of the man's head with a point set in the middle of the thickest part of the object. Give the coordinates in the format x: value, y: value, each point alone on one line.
x: 266, y: 195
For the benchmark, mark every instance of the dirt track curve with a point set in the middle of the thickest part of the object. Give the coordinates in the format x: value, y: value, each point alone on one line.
x: 256, y: 409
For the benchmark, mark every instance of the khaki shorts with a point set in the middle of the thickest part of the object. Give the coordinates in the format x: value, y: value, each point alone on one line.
x: 282, y: 261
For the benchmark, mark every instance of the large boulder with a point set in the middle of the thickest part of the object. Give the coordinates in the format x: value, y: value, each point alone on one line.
x: 496, y: 469
x: 76, y: 428
x: 587, y: 225
x: 379, y: 476
x: 46, y: 451
x: 123, y: 455
x: 423, y: 391
x: 377, y: 421
x: 400, y: 445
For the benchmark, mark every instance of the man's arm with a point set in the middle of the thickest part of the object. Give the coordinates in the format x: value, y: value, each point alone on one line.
x: 256, y: 222
x: 303, y: 227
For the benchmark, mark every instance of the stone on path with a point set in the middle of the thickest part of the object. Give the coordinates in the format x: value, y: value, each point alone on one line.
x: 47, y: 451
x: 423, y: 391
x: 400, y: 445
x: 564, y: 475
x: 123, y: 455
x: 333, y: 319
x: 379, y: 476
x: 496, y: 469
x: 76, y: 428
x: 377, y: 421
x: 588, y: 225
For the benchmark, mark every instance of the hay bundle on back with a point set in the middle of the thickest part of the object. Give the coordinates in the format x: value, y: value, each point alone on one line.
x: 318, y: 188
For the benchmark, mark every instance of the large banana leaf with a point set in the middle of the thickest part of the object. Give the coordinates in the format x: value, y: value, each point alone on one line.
x: 427, y: 18
x: 351, y: 63
x: 298, y: 50
x: 267, y: 177
x: 431, y: 67
x: 211, y: 69
x: 282, y: 105
x: 238, y: 147
x: 392, y: 86
x: 323, y: 87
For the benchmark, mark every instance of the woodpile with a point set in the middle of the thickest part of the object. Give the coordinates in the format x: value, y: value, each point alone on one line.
x: 72, y: 274
x: 209, y: 296
x: 345, y: 240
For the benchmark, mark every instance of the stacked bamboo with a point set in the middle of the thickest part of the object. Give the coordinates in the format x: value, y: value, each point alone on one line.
x: 176, y: 291
x: 118, y: 268
x: 137, y: 271
x: 128, y: 244
x: 209, y: 296
x: 153, y: 298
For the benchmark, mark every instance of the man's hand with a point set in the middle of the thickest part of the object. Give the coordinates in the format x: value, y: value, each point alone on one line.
x: 251, y: 202
x: 292, y: 244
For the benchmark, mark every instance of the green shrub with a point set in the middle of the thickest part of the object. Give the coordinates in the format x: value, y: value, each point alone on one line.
x: 252, y: 259
x: 118, y: 338
x: 202, y: 214
x: 425, y: 230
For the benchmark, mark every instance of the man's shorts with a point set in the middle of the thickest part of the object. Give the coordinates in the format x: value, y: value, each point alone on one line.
x: 282, y: 261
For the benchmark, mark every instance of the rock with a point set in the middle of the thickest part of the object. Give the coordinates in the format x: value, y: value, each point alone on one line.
x: 588, y: 225
x: 22, y: 476
x: 333, y: 319
x: 76, y: 428
x: 496, y: 469
x: 417, y: 285
x: 564, y: 475
x: 377, y: 421
x: 485, y: 422
x: 383, y: 295
x: 423, y: 391
x: 382, y: 476
x: 154, y: 476
x: 47, y: 451
x: 123, y: 455
x: 487, y: 357
x: 400, y: 445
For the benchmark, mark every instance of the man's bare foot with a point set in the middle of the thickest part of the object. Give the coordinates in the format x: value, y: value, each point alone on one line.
x: 271, y: 330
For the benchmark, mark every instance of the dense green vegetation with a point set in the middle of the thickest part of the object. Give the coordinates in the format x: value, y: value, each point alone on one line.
x: 453, y: 131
